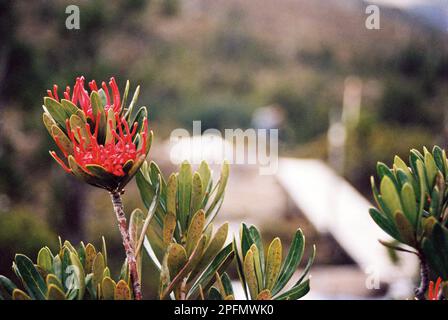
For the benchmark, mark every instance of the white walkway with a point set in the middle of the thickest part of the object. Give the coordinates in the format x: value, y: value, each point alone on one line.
x: 332, y: 205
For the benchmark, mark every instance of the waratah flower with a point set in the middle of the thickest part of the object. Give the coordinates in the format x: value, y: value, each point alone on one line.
x: 433, y: 291
x: 101, y: 140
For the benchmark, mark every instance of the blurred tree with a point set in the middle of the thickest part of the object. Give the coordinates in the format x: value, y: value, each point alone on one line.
x: 31, y: 67
x: 322, y: 58
x: 305, y: 117
x: 170, y: 8
x: 22, y: 231
x: 221, y: 114
x: 401, y: 104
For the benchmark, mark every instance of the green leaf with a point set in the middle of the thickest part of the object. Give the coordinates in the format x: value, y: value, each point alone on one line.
x: 82, y: 174
x: 56, y: 111
x: 65, y: 266
x: 82, y: 253
x: 52, y: 279
x: 246, y: 239
x: 184, y: 193
x: 219, y: 196
x: 213, y: 248
x: 405, y: 229
x: 171, y: 195
x: 103, y: 97
x: 45, y: 259
x: 295, y: 292
x: 98, y: 109
x: 139, y: 118
x: 264, y: 295
x: 125, y: 97
x: 440, y: 159
x: 98, y: 269
x: 153, y: 244
x: 190, y: 265
x: 61, y: 139
x: 31, y: 279
x: 55, y: 293
x: 390, y: 195
x: 78, y: 126
x: 111, y: 125
x: 133, y: 103
x: 196, y: 193
x: 106, y: 272
x: 402, y: 167
x: 384, y: 171
x: 104, y: 249
x: 90, y: 257
x: 423, y: 191
x: 239, y: 265
x: 379, y: 200
x: 401, y: 164
x: 434, y: 208
x: 273, y: 263
x: 291, y: 262
x: 169, y: 225
x: 308, y: 266
x: 249, y: 273
x: 48, y: 121
x: 214, y: 294
x: 409, y: 203
x: 18, y: 294
x: 147, y: 193
x: 257, y: 266
x: 219, y: 263
x: 79, y: 274
x: 6, y: 288
x: 196, y: 255
x: 122, y: 291
x: 136, y: 223
x: 256, y: 236
x: 57, y: 266
x: 195, y: 231
x: 227, y: 284
x: 108, y: 288
x: 71, y: 109
x: 176, y: 259
x: 156, y: 177
x: 164, y: 278
x: 431, y: 168
x: 205, y: 173
x: 384, y: 223
x: 435, y: 248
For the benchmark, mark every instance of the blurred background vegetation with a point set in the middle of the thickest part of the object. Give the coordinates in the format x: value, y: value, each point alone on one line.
x: 216, y: 61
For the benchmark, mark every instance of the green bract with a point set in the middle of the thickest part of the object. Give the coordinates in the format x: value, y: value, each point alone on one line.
x: 412, y: 208
x: 411, y: 198
x: 71, y: 274
x: 263, y: 273
x: 182, y: 240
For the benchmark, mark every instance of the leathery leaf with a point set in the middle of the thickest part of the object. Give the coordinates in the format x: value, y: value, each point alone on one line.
x: 273, y: 263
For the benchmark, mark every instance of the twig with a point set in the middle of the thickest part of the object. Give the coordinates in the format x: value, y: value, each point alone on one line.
x: 130, y: 254
x: 424, y: 280
x: 151, y: 212
x: 183, y: 290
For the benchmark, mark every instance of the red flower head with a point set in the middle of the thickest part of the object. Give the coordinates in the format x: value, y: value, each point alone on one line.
x: 95, y: 133
x: 433, y: 291
x: 80, y: 96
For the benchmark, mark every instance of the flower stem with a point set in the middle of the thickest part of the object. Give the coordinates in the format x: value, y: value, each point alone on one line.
x: 130, y: 254
x: 424, y: 280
